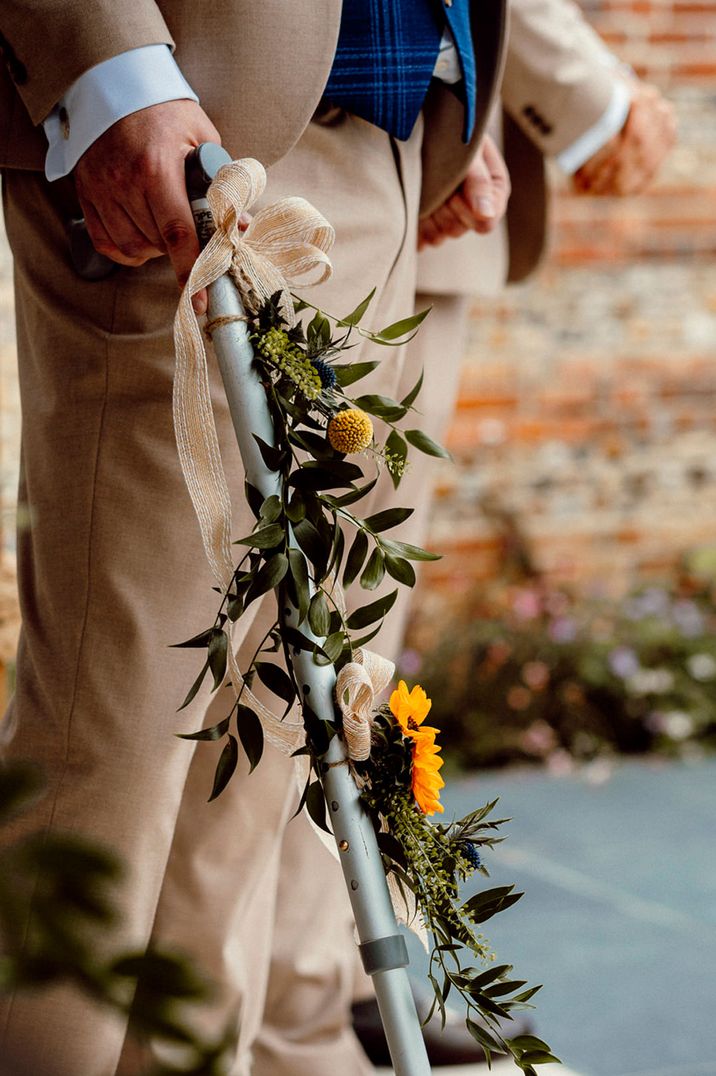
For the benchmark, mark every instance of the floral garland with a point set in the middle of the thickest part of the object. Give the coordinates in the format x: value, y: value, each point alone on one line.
x: 317, y: 424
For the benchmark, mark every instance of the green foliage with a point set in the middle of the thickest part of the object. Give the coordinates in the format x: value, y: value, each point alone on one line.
x: 537, y: 674
x: 431, y: 861
x: 308, y: 535
x: 59, y: 897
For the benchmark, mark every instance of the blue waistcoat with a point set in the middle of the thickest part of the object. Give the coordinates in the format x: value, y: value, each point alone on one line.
x: 386, y: 54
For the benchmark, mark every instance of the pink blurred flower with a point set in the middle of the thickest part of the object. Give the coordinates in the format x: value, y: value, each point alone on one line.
x: 536, y: 675
x: 526, y: 604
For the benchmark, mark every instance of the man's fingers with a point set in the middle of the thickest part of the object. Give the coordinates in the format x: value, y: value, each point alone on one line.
x: 172, y: 214
x: 477, y: 191
x: 428, y: 234
x: 461, y: 211
x: 173, y: 218
x: 630, y: 160
x: 448, y: 223
x: 138, y: 164
x: 495, y: 164
x: 114, y: 234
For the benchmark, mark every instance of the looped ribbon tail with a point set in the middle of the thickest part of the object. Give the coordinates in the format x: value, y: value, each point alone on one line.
x: 357, y: 686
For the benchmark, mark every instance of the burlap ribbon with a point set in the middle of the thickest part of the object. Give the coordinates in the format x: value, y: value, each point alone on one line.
x: 358, y: 684
x: 285, y: 245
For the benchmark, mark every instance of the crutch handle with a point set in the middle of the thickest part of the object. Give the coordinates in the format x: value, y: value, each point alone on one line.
x: 200, y: 167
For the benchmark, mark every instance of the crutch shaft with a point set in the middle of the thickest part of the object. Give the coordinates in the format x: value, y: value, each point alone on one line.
x: 382, y: 946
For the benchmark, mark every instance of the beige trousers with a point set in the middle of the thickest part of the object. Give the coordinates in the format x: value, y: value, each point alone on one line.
x: 112, y: 572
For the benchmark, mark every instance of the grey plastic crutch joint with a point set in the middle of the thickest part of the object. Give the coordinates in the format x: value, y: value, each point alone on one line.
x: 200, y: 167
x: 384, y: 954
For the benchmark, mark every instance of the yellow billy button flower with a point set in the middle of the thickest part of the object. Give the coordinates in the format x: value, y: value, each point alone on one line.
x: 350, y: 431
x: 410, y: 708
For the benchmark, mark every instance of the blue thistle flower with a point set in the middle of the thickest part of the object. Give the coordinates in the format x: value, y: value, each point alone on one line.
x: 472, y: 855
x: 326, y: 373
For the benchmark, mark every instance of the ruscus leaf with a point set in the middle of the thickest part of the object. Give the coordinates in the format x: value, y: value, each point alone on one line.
x: 271, y: 509
x: 403, y: 327
x: 401, y: 570
x: 218, y: 653
x: 225, y: 767
x: 316, y: 805
x: 195, y: 686
x: 425, y: 444
x: 268, y: 576
x: 251, y: 734
x: 356, y: 556
x: 381, y: 407
x: 263, y: 538
x: 368, y: 614
x: 374, y: 570
x: 356, y: 316
x: 319, y: 615
x: 213, y: 733
x: 276, y: 679
x: 391, y: 517
x: 299, y: 574
x: 348, y: 373
x: 272, y: 457
x: 412, y: 396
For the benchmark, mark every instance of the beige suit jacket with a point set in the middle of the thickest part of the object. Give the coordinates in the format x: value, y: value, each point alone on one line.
x: 559, y: 79
x: 258, y: 68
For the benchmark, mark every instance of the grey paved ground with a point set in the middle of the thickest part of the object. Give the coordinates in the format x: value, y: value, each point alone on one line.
x: 499, y: 1068
x: 619, y: 917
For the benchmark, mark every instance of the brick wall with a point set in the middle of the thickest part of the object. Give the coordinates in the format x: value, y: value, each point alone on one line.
x: 588, y: 403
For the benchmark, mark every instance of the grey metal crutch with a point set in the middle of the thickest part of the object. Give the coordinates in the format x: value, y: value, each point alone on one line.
x: 382, y: 947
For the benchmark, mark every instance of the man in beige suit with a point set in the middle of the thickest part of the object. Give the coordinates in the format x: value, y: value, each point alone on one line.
x: 110, y: 568
x: 566, y: 97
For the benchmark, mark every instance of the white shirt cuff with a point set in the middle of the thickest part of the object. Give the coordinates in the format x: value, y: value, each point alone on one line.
x: 609, y: 124
x: 106, y: 93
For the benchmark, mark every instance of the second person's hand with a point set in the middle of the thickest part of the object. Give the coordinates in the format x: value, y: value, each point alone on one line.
x: 478, y: 205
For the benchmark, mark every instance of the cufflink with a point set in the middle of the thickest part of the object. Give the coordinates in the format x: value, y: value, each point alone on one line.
x: 64, y: 122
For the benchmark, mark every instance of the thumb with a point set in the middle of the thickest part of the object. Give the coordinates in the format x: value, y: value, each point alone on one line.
x: 478, y: 193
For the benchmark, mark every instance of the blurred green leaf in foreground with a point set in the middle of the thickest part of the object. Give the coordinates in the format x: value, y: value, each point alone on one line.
x: 59, y: 897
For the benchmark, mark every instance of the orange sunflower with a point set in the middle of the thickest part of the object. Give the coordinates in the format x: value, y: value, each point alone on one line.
x: 410, y: 708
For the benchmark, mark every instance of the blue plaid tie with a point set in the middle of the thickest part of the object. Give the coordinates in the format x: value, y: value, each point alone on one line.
x: 386, y: 55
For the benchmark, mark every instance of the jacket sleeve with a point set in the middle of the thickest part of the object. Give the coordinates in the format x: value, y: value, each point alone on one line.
x: 559, y: 77
x: 48, y: 44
